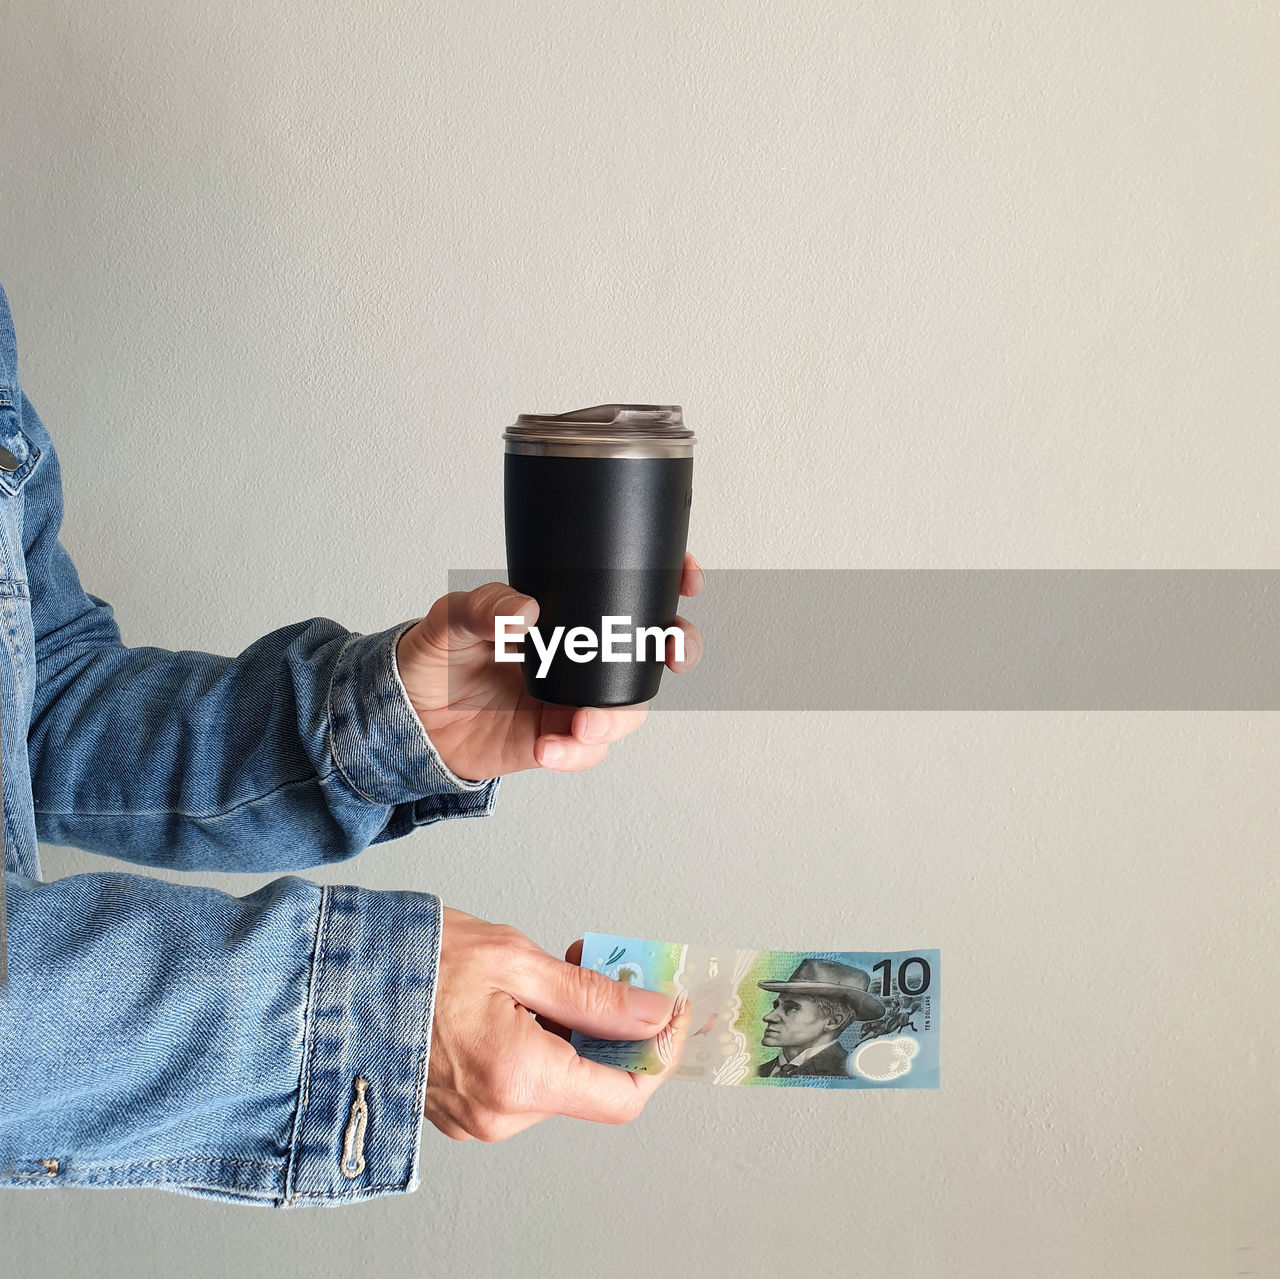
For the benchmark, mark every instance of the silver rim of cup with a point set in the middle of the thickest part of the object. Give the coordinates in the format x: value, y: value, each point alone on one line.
x: 604, y: 430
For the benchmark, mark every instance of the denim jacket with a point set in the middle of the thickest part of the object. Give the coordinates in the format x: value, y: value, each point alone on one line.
x: 265, y: 1049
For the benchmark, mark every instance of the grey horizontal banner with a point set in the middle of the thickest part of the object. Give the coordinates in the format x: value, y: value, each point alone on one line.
x: 978, y: 639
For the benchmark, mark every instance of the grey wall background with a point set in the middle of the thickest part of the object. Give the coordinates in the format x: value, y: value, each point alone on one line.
x: 950, y: 285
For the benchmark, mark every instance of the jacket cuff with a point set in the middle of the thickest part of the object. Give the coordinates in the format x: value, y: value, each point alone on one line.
x: 379, y: 744
x: 366, y: 1046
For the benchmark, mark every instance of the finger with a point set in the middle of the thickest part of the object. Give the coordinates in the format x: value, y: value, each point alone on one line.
x: 556, y: 721
x: 692, y: 647
x: 464, y: 618
x: 563, y: 754
x: 601, y: 1094
x: 571, y: 956
x: 670, y: 1040
x: 585, y: 999
x: 594, y: 726
x: 605, y: 1094
x: 692, y: 579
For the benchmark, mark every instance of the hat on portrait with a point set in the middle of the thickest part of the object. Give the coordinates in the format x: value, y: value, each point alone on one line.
x: 828, y: 979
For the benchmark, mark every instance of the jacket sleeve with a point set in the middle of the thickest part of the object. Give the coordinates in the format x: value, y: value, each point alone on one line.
x: 296, y: 1078
x: 300, y: 751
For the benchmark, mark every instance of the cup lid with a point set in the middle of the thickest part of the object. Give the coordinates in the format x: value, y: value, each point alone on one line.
x: 605, y: 424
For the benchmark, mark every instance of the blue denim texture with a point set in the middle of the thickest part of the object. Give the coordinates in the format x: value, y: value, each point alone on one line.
x: 177, y: 1037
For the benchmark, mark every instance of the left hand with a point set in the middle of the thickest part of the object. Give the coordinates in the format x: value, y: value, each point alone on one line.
x: 495, y: 1071
x: 492, y: 726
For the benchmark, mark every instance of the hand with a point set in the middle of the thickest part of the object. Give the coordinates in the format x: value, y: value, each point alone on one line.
x: 495, y: 1071
x: 492, y: 726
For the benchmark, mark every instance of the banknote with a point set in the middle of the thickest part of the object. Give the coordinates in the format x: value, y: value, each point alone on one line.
x: 808, y: 1018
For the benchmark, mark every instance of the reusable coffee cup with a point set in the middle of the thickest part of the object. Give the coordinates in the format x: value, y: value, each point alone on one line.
x: 597, y: 515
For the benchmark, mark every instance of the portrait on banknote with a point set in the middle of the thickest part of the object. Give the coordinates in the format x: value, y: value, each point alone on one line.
x: 810, y: 1012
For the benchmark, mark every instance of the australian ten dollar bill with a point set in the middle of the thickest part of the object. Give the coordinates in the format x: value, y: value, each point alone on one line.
x: 816, y: 1019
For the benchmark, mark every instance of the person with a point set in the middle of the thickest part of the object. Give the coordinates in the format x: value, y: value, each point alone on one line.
x: 815, y: 1006
x: 285, y: 1047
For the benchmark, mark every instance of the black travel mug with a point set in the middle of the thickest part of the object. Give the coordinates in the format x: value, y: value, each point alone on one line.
x: 597, y: 515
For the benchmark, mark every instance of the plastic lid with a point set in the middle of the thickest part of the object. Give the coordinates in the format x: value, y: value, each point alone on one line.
x: 603, y: 422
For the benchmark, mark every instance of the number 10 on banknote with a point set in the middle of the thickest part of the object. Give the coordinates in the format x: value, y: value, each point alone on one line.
x: 817, y: 1019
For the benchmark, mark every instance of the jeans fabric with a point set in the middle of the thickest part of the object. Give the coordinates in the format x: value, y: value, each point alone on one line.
x: 266, y: 1049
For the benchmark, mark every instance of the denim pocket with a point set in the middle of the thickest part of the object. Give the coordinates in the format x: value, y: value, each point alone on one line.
x: 20, y: 454
x: 18, y: 457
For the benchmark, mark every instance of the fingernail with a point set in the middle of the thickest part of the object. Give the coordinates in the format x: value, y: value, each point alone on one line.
x: 552, y: 753
x: 649, y: 1005
x: 518, y: 605
x: 596, y: 725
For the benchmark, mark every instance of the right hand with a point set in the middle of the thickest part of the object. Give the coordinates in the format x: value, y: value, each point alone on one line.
x: 494, y: 1071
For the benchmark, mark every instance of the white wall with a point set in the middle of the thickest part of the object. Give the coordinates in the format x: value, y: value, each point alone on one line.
x: 948, y: 285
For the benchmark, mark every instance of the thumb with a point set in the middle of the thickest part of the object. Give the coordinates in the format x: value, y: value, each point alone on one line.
x: 585, y: 1000
x: 463, y: 618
